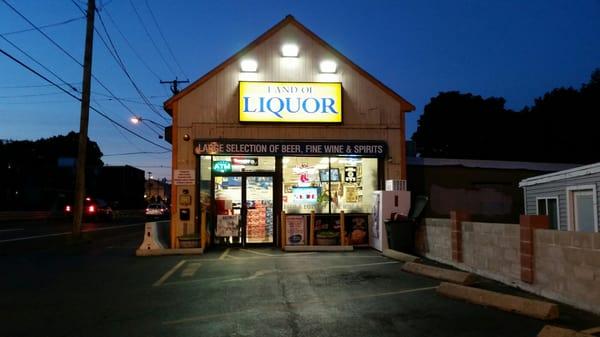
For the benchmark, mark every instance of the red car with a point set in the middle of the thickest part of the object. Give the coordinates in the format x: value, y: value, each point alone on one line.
x: 93, y: 209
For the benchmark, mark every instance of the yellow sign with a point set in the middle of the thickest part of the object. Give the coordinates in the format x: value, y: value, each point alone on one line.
x: 290, y: 102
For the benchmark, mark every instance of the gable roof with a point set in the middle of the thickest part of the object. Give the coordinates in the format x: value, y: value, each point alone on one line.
x: 405, y: 105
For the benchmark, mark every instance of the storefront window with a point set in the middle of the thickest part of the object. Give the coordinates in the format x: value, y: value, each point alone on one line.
x: 328, y: 184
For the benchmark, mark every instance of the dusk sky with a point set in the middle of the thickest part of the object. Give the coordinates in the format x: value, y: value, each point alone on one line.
x: 514, y: 49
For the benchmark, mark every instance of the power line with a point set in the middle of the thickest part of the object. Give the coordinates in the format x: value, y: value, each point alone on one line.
x: 46, y: 26
x: 135, y: 153
x: 120, y: 62
x: 66, y: 53
x: 33, y: 85
x: 165, y: 40
x: 114, y: 53
x: 151, y: 39
x: 130, y: 46
x: 79, y: 99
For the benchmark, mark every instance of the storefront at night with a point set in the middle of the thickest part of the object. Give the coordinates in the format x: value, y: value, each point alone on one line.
x: 287, y: 126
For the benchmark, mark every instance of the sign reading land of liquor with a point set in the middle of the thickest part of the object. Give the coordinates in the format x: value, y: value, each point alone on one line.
x: 290, y: 102
x: 285, y: 148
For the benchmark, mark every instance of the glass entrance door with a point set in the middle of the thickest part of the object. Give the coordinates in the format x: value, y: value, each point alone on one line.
x: 244, y: 209
x: 259, y: 209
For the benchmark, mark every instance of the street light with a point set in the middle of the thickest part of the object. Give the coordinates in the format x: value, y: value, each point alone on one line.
x: 138, y: 119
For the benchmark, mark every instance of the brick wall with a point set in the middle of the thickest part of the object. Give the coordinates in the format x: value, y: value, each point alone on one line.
x: 566, y: 265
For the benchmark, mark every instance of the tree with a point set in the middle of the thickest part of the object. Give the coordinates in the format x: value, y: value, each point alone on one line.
x: 559, y: 127
x: 34, y: 173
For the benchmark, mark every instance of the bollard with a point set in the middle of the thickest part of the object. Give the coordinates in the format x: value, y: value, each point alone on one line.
x: 203, y: 228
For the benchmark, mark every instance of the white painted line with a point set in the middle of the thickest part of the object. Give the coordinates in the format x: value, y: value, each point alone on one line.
x: 254, y: 252
x: 228, y: 315
x: 168, y: 274
x: 191, y: 269
x: 222, y: 257
x: 11, y: 230
x: 69, y: 233
x: 252, y: 277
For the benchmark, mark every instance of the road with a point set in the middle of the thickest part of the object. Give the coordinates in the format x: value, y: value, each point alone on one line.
x: 99, y: 288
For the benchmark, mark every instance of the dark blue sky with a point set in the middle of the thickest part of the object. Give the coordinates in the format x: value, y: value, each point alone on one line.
x: 514, y: 49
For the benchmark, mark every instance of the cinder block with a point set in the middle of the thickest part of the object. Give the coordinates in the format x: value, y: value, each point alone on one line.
x: 583, y: 273
x: 544, y: 236
x: 467, y: 226
x: 511, y: 255
x: 511, y: 231
x: 592, y: 258
x: 565, y: 238
x: 596, y: 239
x: 533, y: 308
x: 582, y: 240
x: 573, y: 256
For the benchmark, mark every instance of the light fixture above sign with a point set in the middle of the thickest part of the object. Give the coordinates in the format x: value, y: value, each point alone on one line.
x: 328, y: 67
x: 249, y: 66
x: 290, y: 50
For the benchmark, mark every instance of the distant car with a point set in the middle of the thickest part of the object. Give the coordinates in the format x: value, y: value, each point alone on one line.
x: 157, y: 211
x: 93, y: 209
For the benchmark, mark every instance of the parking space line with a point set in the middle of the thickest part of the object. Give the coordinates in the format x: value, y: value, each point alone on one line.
x: 168, y: 274
x: 11, y: 230
x: 227, y: 315
x: 191, y: 269
x: 254, y: 252
x: 224, y: 255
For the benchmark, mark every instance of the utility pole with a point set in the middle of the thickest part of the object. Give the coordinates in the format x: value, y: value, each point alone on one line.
x: 174, y: 83
x: 84, y: 120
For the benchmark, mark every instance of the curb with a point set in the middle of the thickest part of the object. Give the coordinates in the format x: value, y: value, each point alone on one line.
x: 162, y: 252
x: 453, y: 276
x: 318, y: 248
x: 554, y: 331
x: 396, y: 255
x: 524, y: 306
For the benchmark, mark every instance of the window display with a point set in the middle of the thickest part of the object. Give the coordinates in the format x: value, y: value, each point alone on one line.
x: 328, y: 184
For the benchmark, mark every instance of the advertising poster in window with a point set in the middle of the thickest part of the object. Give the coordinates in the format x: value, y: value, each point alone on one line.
x: 295, y: 229
x: 227, y: 225
x: 357, y: 229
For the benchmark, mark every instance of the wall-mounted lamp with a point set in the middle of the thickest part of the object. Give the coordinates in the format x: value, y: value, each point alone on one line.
x: 249, y: 66
x: 328, y: 67
x: 290, y: 50
x: 186, y: 137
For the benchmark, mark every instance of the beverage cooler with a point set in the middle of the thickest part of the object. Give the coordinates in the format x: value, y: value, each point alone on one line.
x: 384, y: 204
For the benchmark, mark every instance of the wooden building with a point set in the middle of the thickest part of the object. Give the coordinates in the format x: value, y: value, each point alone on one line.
x: 286, y: 124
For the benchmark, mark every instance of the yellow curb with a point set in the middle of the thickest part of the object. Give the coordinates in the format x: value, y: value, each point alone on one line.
x: 318, y: 248
x: 396, y: 255
x: 453, y: 276
x: 524, y: 306
x: 554, y: 331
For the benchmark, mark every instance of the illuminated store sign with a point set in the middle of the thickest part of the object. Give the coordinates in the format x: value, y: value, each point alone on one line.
x: 286, y: 148
x: 290, y: 102
x: 222, y: 166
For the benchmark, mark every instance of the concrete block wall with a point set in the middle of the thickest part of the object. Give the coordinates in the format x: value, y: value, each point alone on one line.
x: 492, y: 248
x: 566, y: 265
x: 433, y: 240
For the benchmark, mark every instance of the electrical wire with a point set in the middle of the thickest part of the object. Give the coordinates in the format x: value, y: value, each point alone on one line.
x: 33, y: 85
x: 45, y: 26
x: 135, y: 153
x: 165, y: 40
x: 114, y: 53
x: 67, y: 53
x: 150, y: 37
x: 79, y: 99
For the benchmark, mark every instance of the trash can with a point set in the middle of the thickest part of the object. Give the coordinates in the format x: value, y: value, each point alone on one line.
x: 401, y: 235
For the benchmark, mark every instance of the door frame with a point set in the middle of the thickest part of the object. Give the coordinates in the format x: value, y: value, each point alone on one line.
x: 244, y: 208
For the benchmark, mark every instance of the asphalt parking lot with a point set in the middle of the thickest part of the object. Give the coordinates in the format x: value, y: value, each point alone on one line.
x: 106, y: 291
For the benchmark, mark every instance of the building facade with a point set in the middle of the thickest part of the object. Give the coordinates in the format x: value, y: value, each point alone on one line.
x: 569, y: 198
x: 286, y: 124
